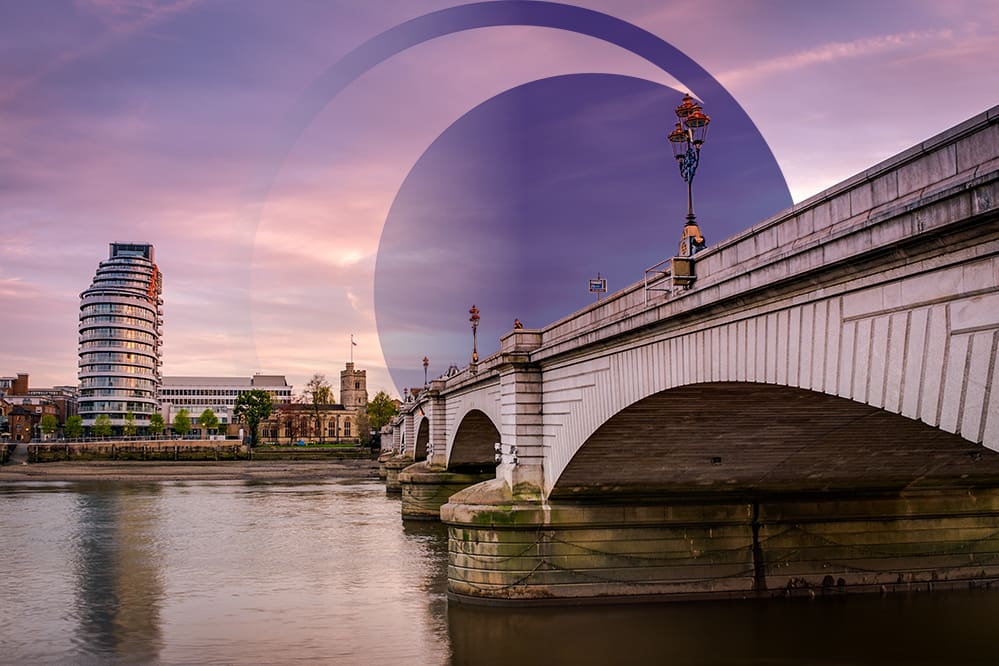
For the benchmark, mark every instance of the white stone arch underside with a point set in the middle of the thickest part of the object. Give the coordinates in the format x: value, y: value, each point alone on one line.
x: 485, y: 399
x: 933, y: 361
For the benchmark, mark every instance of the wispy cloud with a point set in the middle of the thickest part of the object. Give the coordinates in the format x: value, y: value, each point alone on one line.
x: 128, y: 17
x: 119, y: 20
x: 832, y: 52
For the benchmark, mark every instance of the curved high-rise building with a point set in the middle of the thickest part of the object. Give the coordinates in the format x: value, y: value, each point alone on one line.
x: 120, y: 329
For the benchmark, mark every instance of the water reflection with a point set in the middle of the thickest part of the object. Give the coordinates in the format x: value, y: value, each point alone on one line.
x: 225, y: 572
x: 119, y: 588
x: 431, y: 536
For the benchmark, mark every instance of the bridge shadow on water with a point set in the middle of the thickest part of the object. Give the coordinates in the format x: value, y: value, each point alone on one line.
x: 940, y: 628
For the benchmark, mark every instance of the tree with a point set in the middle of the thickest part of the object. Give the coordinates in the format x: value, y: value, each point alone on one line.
x: 318, y: 392
x: 156, y: 424
x: 253, y: 407
x: 182, y: 423
x: 129, y: 428
x: 74, y: 426
x: 381, y: 408
x: 208, y: 420
x: 364, y: 428
x: 102, y: 426
x: 49, y: 424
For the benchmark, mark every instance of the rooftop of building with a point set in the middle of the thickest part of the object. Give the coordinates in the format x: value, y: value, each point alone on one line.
x: 131, y: 249
x: 269, y: 381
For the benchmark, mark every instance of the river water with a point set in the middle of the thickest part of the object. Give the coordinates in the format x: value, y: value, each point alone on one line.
x: 276, y: 573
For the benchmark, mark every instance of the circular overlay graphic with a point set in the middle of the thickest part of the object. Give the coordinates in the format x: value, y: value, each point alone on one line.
x: 581, y: 181
x: 527, y: 196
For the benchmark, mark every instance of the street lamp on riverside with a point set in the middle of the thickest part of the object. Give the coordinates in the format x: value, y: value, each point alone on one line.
x: 426, y: 364
x: 474, y: 319
x: 686, y: 140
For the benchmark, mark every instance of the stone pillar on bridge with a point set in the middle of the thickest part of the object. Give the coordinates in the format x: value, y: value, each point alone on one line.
x: 409, y: 435
x: 437, y: 447
x: 521, y: 463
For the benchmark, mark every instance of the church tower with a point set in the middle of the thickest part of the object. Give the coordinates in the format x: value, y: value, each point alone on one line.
x: 353, y: 387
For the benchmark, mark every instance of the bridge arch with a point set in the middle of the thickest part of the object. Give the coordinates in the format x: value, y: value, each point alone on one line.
x: 473, y: 441
x: 755, y: 438
x: 929, y: 362
x: 422, y: 439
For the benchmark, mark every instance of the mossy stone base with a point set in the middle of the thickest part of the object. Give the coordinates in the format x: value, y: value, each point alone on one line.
x: 426, y: 489
x: 393, y: 466
x: 505, y: 549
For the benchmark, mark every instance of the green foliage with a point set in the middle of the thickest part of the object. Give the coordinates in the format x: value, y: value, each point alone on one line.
x: 74, y: 426
x: 253, y: 407
x: 381, y: 408
x: 182, y: 423
x: 363, y: 428
x: 208, y: 420
x: 156, y: 424
x: 102, y: 426
x: 49, y: 423
x: 129, y: 428
x: 318, y: 392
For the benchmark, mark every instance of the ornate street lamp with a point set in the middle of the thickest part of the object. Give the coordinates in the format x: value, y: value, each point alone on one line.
x: 426, y: 364
x: 474, y: 319
x: 686, y: 140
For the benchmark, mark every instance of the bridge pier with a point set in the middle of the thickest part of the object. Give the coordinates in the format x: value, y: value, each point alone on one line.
x: 426, y: 488
x: 393, y: 466
x: 382, y: 459
x: 506, y: 549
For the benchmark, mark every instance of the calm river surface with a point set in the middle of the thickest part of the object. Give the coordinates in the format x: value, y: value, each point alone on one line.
x: 238, y: 572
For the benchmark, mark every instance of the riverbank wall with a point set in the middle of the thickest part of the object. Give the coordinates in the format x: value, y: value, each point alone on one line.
x: 183, y: 450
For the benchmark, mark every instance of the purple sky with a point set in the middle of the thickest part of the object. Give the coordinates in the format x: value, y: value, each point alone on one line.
x: 154, y: 120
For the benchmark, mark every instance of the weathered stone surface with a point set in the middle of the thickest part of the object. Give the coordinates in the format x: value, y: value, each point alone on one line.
x: 393, y: 466
x: 382, y: 459
x: 505, y: 550
x: 425, y: 489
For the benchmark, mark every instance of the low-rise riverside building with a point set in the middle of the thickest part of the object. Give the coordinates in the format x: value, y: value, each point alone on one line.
x: 292, y: 423
x: 219, y: 394
x: 22, y: 408
x: 22, y: 417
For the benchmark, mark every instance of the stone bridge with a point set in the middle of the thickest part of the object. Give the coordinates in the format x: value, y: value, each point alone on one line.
x: 814, y: 411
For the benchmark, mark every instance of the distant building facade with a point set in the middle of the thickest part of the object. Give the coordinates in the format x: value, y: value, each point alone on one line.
x: 293, y: 422
x: 65, y: 399
x: 219, y: 394
x: 22, y: 408
x: 297, y: 422
x: 121, y: 320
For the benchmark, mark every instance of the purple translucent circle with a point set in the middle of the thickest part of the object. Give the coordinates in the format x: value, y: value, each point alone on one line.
x: 527, y: 196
